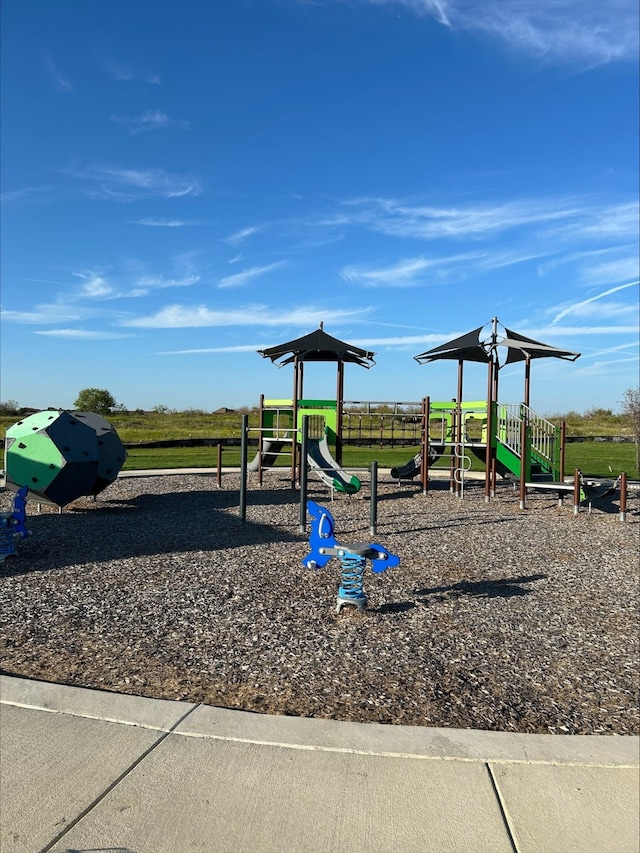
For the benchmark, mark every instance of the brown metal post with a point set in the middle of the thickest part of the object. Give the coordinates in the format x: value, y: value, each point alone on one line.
x: 623, y: 496
x: 490, y: 428
x: 297, y: 389
x: 494, y: 468
x: 527, y: 380
x: 458, y: 435
x: 339, y: 402
x: 219, y: 473
x: 576, y: 491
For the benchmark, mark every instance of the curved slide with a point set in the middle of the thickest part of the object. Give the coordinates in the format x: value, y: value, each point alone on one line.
x: 325, y: 466
x: 412, y: 468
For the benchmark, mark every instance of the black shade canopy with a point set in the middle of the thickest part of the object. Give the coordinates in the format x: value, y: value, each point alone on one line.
x: 522, y: 348
x: 473, y: 347
x: 465, y: 348
x: 318, y: 346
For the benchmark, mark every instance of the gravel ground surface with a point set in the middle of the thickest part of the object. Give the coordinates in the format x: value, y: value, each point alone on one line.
x: 496, y: 618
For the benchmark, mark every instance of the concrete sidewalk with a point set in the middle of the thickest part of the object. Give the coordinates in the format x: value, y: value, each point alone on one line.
x: 83, y: 770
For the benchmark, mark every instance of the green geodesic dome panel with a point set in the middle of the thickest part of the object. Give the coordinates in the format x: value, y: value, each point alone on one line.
x: 32, y: 460
x: 54, y: 454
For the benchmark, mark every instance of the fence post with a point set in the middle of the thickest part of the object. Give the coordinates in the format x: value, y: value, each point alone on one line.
x: 219, y: 477
x: 623, y: 496
x: 243, y: 466
x: 576, y: 491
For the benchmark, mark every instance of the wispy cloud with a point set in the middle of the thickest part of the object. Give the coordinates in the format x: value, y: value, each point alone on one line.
x: 58, y: 80
x: 615, y: 349
x: 81, y: 334
x: 26, y: 194
x: 145, y: 284
x: 619, y: 270
x: 240, y: 279
x: 127, y: 184
x: 404, y: 342
x: 552, y: 231
x: 607, y: 221
x: 611, y: 366
x: 164, y: 223
x: 551, y: 331
x: 240, y: 348
x: 582, y: 308
x: 577, y: 32
x: 240, y: 236
x: 150, y: 120
x: 187, y: 316
x: 541, y: 333
x: 410, y: 272
x: 94, y: 285
x: 125, y: 72
x: 400, y: 218
x: 44, y: 315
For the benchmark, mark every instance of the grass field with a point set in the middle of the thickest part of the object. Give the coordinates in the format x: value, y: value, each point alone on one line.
x: 134, y: 428
x: 598, y: 459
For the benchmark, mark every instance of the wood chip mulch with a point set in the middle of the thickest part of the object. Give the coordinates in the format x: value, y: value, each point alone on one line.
x: 496, y: 618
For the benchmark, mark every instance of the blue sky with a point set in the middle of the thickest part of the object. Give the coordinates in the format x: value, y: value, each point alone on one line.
x: 184, y: 183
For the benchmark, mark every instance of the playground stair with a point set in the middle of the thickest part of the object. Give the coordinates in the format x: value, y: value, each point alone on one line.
x: 526, y: 444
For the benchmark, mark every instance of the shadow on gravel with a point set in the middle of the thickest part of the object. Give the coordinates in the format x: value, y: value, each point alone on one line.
x: 393, y: 607
x: 501, y: 588
x: 148, y: 525
x: 464, y: 521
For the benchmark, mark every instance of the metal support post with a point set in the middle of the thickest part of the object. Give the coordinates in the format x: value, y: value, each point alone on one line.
x: 373, y: 509
x: 243, y: 466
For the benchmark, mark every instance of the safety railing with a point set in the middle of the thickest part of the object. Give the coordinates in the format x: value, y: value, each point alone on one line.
x: 381, y: 422
x: 542, y: 434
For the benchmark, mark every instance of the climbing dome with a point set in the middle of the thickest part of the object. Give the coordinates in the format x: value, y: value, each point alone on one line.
x: 62, y: 455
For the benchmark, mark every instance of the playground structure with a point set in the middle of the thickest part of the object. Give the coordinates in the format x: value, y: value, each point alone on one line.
x: 62, y: 455
x: 353, y: 557
x: 516, y: 438
x: 511, y: 439
x: 522, y: 446
x: 317, y: 346
x: 13, y: 525
x: 280, y: 435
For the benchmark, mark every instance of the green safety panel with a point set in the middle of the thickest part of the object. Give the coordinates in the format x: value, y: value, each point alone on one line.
x: 327, y: 409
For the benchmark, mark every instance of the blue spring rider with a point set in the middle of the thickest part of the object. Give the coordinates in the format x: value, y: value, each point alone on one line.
x: 353, y: 557
x: 13, y: 524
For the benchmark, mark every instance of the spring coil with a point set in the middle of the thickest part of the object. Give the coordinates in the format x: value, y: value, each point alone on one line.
x: 351, y: 586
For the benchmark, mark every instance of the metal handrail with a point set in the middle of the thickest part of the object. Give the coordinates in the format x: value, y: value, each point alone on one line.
x: 543, y: 433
